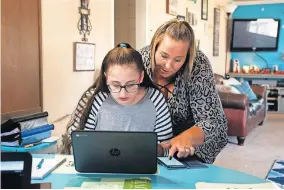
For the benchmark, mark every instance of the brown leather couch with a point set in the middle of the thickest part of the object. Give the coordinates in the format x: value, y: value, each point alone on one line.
x: 243, y: 115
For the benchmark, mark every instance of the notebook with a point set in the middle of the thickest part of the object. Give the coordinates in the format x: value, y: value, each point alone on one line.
x: 84, y: 182
x: 204, y: 185
x: 48, y: 166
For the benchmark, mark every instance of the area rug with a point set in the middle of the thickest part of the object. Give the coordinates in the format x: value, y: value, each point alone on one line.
x: 276, y: 173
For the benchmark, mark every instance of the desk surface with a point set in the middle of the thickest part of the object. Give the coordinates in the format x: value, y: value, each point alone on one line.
x: 181, y: 178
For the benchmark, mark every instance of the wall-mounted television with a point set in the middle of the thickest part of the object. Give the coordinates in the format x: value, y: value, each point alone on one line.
x: 255, y: 35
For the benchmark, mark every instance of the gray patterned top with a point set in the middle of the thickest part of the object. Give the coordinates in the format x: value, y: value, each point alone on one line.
x: 195, y: 101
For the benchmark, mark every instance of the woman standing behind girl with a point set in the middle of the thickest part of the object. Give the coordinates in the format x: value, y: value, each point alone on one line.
x: 186, y: 78
x: 123, y: 98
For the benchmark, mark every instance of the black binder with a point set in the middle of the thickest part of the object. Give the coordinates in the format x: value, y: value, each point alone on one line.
x: 14, y: 127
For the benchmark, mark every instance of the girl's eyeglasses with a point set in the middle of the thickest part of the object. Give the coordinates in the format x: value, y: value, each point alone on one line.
x: 130, y: 88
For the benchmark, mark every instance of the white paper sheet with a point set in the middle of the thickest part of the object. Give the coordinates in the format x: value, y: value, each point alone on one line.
x: 204, y: 185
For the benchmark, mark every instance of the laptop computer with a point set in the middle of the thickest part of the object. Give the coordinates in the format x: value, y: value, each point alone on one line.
x: 115, y: 152
x: 16, y: 168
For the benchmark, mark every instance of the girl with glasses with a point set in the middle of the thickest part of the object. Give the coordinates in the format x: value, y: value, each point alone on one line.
x: 123, y: 98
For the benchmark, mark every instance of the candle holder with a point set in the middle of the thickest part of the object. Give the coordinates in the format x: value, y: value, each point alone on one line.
x: 246, y: 69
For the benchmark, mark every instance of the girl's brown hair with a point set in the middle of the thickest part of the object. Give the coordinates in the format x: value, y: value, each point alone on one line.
x: 122, y: 54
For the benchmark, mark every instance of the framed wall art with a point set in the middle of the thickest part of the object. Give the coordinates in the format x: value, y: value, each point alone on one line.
x: 216, y: 32
x: 171, y: 7
x: 204, y: 9
x: 191, y: 18
x: 84, y: 56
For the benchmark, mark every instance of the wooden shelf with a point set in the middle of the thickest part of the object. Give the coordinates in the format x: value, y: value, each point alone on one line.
x: 268, y: 76
x: 275, y: 87
x: 270, y: 98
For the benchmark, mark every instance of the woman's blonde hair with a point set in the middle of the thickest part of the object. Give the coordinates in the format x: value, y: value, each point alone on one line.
x: 179, y: 31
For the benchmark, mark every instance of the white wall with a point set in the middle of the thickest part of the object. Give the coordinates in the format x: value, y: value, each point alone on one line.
x: 140, y: 23
x: 203, y: 31
x: 62, y: 87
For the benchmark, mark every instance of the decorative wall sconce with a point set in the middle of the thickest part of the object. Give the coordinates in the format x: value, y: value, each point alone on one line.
x: 84, y: 24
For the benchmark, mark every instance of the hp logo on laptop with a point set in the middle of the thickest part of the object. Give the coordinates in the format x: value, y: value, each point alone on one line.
x: 114, y: 152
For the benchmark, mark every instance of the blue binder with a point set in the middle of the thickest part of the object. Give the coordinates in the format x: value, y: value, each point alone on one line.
x: 37, y: 130
x: 35, y: 138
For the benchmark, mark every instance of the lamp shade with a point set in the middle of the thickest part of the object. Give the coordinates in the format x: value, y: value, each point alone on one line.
x: 230, y: 8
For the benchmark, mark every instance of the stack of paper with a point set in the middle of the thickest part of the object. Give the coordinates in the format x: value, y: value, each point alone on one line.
x: 48, y: 165
x: 109, y: 183
x: 204, y: 185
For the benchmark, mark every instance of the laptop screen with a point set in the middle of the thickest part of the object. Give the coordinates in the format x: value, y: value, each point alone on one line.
x: 12, y: 173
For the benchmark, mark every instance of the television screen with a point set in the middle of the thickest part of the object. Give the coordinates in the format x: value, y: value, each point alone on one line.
x: 255, y: 35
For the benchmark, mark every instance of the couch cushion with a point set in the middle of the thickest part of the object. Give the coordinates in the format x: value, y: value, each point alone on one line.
x: 255, y: 105
x: 227, y: 89
x: 218, y: 78
x: 245, y: 88
x: 231, y: 81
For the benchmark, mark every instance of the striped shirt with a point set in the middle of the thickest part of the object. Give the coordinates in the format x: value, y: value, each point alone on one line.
x: 149, y: 114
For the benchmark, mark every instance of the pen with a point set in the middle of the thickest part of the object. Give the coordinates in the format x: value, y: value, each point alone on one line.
x: 40, y: 164
x: 31, y: 145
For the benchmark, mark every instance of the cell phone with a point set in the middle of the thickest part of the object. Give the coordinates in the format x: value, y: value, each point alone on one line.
x: 194, y: 164
x: 170, y: 164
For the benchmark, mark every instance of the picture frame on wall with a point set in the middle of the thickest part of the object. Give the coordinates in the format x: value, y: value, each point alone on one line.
x: 84, y: 56
x: 204, y: 9
x: 171, y: 7
x: 191, y: 19
x: 216, y: 32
